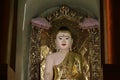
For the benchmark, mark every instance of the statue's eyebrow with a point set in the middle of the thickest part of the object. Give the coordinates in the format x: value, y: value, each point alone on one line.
x: 64, y: 36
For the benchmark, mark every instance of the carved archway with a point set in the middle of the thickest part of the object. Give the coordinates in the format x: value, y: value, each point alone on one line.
x: 86, y: 43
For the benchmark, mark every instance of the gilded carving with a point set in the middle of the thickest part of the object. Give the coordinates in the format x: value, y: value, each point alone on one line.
x: 87, y: 43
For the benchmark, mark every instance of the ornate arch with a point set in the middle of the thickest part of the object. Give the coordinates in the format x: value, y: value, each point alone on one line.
x: 86, y: 42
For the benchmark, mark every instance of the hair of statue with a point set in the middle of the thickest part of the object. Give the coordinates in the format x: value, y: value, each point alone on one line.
x: 64, y: 29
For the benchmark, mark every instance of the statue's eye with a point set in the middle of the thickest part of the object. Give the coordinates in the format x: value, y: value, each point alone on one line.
x: 60, y: 38
x: 67, y: 38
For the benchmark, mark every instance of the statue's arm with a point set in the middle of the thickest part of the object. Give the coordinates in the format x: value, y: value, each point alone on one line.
x: 80, y: 69
x: 49, y: 68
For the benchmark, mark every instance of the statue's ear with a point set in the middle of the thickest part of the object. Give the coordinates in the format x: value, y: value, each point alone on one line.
x: 71, y: 41
x: 55, y: 41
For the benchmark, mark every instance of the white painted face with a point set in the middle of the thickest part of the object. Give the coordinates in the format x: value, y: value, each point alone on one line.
x: 63, y: 40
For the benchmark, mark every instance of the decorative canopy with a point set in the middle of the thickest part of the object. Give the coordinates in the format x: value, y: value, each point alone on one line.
x: 41, y: 23
x: 89, y: 23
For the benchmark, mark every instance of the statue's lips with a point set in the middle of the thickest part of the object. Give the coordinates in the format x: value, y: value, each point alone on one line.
x: 63, y: 44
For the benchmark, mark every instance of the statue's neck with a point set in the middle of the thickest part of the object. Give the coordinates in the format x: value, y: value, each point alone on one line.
x: 64, y: 51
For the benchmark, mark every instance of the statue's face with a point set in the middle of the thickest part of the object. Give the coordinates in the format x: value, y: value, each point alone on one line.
x: 63, y: 40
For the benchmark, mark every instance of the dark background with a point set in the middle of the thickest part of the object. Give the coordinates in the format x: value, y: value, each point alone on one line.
x: 110, y: 71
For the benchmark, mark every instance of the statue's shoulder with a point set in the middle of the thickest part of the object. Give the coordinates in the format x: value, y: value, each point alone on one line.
x: 76, y: 54
x: 52, y: 55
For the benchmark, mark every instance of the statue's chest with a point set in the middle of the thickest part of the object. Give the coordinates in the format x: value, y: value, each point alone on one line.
x: 59, y: 59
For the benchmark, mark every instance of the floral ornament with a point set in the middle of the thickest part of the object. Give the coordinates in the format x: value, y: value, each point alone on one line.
x: 89, y: 23
x: 41, y: 23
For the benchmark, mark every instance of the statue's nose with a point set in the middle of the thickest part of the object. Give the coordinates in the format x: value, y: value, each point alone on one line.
x: 63, y: 41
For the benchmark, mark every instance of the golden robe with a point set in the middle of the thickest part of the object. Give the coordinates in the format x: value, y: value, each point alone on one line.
x: 69, y: 69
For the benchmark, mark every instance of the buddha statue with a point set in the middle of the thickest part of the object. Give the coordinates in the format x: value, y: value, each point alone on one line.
x: 64, y: 64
